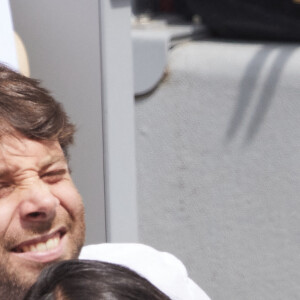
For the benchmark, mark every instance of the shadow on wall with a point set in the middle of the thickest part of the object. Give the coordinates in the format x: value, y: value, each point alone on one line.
x: 250, y: 83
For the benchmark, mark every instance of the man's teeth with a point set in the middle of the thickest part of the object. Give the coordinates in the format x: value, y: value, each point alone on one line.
x: 42, y: 247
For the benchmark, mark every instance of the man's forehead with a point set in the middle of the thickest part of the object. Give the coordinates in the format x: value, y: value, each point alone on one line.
x: 16, y: 143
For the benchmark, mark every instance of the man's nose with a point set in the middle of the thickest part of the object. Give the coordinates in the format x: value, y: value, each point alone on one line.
x: 38, y: 204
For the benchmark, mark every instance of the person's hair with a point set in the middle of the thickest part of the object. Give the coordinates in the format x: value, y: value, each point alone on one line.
x: 29, y: 109
x: 92, y: 280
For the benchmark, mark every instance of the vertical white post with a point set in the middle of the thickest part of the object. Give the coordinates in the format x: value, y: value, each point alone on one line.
x: 118, y: 121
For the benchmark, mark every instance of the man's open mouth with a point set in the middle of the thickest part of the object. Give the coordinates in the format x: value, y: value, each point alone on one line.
x: 42, y: 244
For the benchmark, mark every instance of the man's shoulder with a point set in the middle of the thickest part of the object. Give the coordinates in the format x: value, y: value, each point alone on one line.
x: 162, y: 269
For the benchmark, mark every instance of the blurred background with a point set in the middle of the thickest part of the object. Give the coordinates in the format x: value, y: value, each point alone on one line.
x: 188, y: 136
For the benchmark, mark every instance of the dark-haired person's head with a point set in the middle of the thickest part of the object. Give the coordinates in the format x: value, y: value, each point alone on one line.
x: 41, y: 211
x: 92, y: 280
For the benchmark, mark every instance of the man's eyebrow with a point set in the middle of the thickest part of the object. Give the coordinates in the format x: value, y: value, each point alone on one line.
x: 51, y: 161
x: 7, y: 173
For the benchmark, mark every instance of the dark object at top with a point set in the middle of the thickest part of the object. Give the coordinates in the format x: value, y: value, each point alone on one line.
x: 250, y: 19
x: 242, y: 19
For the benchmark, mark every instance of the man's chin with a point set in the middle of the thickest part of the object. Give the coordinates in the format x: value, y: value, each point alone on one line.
x: 16, y: 281
x: 19, y: 268
x: 20, y: 273
x: 14, y: 285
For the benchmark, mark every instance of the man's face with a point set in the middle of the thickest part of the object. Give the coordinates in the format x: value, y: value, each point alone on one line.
x: 41, y: 212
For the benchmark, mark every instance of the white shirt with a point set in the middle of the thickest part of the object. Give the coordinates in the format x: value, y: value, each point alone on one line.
x: 162, y: 269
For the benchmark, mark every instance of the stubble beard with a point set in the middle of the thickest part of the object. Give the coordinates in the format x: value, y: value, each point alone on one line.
x: 14, y: 285
x: 11, y: 287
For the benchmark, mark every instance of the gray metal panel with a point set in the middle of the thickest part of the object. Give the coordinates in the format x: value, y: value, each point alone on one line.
x: 63, y: 43
x: 118, y: 115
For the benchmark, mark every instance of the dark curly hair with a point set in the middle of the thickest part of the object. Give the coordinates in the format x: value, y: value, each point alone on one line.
x: 29, y: 109
x: 92, y: 280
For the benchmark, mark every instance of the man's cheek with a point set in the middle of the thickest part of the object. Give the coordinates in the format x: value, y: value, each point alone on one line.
x: 68, y: 197
x: 6, y: 220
